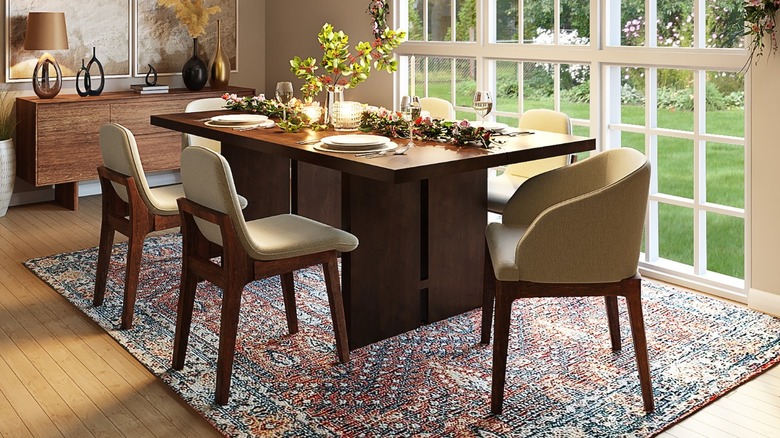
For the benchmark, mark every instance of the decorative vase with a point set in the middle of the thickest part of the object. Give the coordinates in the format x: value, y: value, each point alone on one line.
x: 7, y: 173
x: 335, y: 94
x: 220, y: 65
x: 194, y: 73
x: 87, y: 78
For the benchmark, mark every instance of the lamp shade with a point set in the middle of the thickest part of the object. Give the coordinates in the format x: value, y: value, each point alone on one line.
x: 46, y: 31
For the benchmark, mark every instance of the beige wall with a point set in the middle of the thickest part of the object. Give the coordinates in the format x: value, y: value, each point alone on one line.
x: 286, y: 39
x: 764, y: 180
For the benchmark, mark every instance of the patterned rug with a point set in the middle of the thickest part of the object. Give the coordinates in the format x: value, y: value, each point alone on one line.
x: 562, y: 380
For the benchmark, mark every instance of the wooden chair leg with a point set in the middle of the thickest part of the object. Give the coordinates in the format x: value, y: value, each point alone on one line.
x: 288, y: 293
x: 336, y: 302
x: 189, y: 284
x: 104, y: 260
x: 135, y: 250
x: 500, y: 345
x: 488, y: 296
x: 228, y: 329
x: 613, y: 319
x: 634, y: 301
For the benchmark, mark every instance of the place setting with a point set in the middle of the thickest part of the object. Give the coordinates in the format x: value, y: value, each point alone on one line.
x: 355, y: 144
x: 240, y: 122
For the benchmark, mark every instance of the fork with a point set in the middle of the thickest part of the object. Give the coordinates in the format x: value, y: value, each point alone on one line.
x: 393, y: 151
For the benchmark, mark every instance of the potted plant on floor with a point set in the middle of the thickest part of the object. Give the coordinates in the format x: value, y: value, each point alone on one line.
x: 7, y: 152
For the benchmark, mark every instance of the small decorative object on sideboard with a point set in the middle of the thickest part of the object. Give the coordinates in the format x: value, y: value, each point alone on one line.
x: 149, y: 89
x: 87, y: 77
x: 7, y: 151
x: 195, y: 16
x: 220, y: 65
x: 151, y: 76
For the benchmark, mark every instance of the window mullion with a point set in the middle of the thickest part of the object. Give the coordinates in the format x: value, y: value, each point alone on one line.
x: 651, y: 24
x: 651, y: 149
x: 699, y: 174
x: 699, y: 23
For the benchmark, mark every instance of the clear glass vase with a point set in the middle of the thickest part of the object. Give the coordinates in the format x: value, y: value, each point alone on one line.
x: 335, y: 93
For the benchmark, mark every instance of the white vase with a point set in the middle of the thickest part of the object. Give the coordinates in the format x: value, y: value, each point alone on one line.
x: 7, y: 173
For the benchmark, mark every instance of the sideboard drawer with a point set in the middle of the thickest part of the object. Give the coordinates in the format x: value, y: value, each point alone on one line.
x: 135, y: 115
x: 66, y: 151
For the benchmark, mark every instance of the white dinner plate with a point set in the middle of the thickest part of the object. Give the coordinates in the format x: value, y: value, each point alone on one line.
x: 339, y: 150
x: 490, y: 126
x: 355, y: 141
x: 238, y: 119
x: 263, y: 124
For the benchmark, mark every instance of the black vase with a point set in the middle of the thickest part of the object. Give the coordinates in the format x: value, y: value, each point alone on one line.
x: 194, y: 73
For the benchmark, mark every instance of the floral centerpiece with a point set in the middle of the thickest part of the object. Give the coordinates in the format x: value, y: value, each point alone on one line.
x: 391, y: 123
x: 192, y: 14
x: 341, y: 68
x: 760, y: 22
x: 296, y: 118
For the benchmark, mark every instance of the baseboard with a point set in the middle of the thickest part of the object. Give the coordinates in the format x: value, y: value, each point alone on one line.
x: 763, y: 301
x: 32, y: 197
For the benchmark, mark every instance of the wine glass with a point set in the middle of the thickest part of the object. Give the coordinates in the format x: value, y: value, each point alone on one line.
x: 410, y: 111
x: 284, y: 93
x: 482, y: 104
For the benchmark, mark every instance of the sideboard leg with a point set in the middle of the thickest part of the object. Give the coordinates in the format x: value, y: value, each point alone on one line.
x: 67, y: 195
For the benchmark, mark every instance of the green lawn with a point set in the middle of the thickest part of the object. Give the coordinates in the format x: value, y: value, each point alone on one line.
x: 724, y: 166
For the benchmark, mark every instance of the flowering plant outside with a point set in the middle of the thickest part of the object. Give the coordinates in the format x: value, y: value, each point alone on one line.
x: 341, y: 67
x: 192, y: 14
x: 760, y: 22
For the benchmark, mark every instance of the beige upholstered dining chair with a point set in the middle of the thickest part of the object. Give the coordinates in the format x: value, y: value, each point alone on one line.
x: 501, y: 187
x: 205, y: 104
x: 212, y: 225
x: 130, y: 207
x: 572, y: 231
x: 438, y: 108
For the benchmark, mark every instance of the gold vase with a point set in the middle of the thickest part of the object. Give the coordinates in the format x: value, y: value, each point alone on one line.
x: 219, y: 76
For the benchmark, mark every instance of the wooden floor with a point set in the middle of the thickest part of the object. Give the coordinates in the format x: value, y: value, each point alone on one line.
x: 62, y: 375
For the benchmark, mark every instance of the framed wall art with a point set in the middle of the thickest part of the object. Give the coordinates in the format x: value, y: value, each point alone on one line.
x: 105, y: 25
x: 162, y: 41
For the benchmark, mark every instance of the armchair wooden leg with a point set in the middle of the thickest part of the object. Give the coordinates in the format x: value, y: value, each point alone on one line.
x: 189, y: 284
x: 228, y: 329
x: 488, y: 294
x: 104, y: 260
x: 500, y: 344
x: 613, y: 319
x: 288, y: 293
x: 634, y: 300
x: 336, y: 302
x: 135, y: 250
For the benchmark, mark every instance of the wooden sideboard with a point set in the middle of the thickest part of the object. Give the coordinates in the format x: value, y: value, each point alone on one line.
x: 57, y: 139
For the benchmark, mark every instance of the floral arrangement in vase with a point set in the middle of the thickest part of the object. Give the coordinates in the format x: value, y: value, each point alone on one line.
x: 760, y: 22
x: 342, y: 68
x: 192, y: 14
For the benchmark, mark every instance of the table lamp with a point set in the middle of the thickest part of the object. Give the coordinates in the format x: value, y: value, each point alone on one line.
x: 46, y: 31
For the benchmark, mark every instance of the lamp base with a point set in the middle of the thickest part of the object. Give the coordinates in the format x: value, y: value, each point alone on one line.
x: 43, y: 86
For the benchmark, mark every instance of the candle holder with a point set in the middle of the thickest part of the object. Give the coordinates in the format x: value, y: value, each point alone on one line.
x: 313, y: 111
x: 346, y: 115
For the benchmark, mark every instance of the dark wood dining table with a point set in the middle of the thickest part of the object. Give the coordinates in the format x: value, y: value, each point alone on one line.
x: 420, y: 217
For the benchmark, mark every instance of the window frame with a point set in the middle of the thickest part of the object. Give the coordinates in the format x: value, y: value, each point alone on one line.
x: 604, y: 58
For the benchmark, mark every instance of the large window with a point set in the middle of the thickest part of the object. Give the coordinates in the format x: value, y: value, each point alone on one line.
x: 671, y: 90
